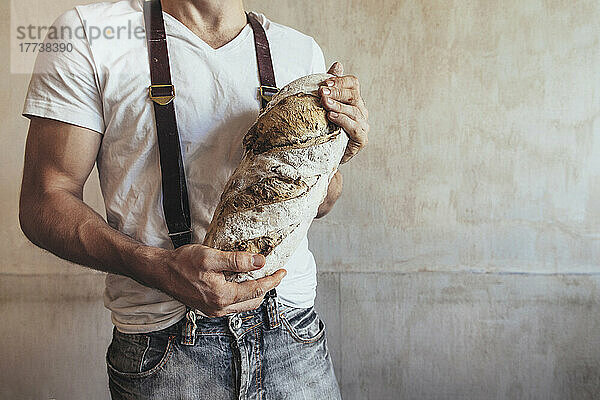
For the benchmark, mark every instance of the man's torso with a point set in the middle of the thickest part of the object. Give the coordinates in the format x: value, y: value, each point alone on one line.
x: 216, y: 102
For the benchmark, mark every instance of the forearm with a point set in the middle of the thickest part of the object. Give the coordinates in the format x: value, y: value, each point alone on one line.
x: 60, y: 222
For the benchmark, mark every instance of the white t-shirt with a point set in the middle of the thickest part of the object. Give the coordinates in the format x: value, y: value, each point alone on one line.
x: 101, y: 83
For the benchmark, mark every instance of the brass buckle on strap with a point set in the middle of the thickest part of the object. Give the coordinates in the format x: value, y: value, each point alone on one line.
x: 161, y: 94
x: 267, y: 92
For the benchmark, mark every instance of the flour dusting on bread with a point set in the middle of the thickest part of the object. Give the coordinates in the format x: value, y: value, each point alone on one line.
x: 269, y: 202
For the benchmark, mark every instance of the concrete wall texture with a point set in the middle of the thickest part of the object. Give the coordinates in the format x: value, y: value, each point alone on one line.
x: 462, y: 260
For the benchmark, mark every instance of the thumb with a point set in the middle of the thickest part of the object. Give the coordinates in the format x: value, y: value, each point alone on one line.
x: 235, y: 261
x: 336, y: 69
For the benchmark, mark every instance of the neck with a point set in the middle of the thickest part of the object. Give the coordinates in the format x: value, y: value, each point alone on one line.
x: 214, y: 21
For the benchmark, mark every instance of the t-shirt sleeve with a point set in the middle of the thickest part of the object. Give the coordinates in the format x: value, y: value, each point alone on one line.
x: 64, y: 84
x: 318, y: 60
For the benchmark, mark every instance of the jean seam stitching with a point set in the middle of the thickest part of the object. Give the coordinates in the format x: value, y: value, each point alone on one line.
x: 292, y: 331
x: 144, y: 353
x: 258, y: 357
x: 249, y: 329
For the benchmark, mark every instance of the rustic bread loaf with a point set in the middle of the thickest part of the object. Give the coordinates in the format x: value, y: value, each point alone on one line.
x: 291, y: 154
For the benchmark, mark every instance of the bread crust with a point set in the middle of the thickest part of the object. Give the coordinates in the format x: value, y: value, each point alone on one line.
x: 270, y: 200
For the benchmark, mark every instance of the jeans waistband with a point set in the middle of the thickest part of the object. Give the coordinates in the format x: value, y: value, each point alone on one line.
x: 193, y: 325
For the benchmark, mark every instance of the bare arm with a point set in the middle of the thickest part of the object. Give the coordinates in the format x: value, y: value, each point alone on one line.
x: 334, y: 191
x: 58, y: 160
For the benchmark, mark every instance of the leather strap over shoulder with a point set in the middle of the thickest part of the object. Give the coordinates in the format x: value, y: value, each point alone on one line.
x: 162, y: 92
x: 268, y: 86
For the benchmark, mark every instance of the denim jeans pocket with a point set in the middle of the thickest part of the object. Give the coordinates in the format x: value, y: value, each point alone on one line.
x: 138, y: 355
x: 303, y: 324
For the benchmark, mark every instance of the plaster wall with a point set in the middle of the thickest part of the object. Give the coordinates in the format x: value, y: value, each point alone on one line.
x: 461, y: 261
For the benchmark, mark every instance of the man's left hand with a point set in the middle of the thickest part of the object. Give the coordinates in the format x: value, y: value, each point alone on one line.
x: 345, y: 107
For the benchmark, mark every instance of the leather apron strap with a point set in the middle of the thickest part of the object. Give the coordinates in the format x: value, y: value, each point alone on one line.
x: 162, y: 92
x: 175, y: 196
x: 268, y: 86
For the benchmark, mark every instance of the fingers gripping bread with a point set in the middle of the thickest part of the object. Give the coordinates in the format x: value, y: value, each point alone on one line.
x: 269, y: 202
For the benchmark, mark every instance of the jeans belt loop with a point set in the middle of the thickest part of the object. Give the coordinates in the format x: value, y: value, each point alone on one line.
x: 188, y: 330
x: 272, y: 309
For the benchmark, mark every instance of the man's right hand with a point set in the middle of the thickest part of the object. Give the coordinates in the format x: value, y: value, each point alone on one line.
x: 195, y: 277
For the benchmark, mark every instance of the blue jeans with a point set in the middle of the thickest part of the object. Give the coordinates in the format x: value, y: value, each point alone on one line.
x: 272, y: 352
